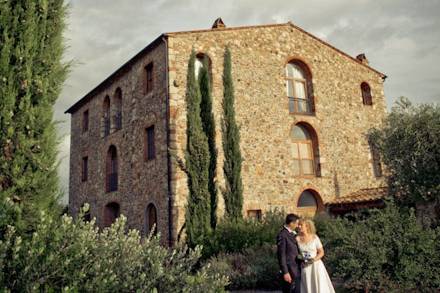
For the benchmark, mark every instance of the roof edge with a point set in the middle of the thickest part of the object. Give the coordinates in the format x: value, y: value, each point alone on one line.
x: 115, y: 74
x: 382, y: 75
x: 289, y: 23
x: 118, y: 71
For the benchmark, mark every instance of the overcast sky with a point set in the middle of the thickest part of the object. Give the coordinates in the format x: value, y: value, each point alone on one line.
x: 401, y: 38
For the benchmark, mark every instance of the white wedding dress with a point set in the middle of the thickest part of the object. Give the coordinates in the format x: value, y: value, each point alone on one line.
x: 314, y: 277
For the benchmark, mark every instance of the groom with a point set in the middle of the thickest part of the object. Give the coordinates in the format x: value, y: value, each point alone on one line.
x: 287, y: 250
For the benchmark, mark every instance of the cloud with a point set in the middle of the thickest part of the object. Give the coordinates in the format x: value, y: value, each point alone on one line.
x: 400, y: 37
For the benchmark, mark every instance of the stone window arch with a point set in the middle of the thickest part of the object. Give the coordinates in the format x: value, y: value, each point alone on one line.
x: 117, y: 116
x: 111, y: 213
x: 199, y: 63
x: 309, y: 203
x: 106, y: 116
x: 367, y: 98
x: 305, y: 150
x: 151, y: 219
x: 111, y: 169
x: 299, y: 88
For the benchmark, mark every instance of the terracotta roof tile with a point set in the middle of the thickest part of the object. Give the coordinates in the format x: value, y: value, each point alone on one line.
x: 362, y: 195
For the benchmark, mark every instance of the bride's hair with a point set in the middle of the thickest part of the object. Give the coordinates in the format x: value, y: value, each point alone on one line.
x: 310, y: 225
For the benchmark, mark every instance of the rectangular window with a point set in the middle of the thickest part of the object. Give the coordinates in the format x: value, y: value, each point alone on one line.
x: 85, y: 121
x: 85, y: 168
x: 150, y: 148
x: 149, y: 77
x: 254, y: 214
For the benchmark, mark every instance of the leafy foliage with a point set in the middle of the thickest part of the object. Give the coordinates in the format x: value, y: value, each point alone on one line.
x: 31, y: 78
x: 237, y: 235
x: 73, y: 256
x: 409, y: 143
x: 233, y: 191
x: 382, y: 250
x: 198, y: 215
x: 255, y: 267
x: 208, y: 124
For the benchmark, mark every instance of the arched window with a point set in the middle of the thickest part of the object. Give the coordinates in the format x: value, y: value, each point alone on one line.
x: 117, y: 117
x: 106, y: 116
x: 309, y: 203
x: 151, y: 219
x: 367, y: 99
x: 299, y: 88
x: 305, y: 150
x: 112, y: 169
x: 199, y: 64
x: 111, y: 213
x: 307, y: 199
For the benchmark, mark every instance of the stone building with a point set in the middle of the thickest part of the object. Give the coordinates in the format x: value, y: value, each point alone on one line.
x: 303, y: 108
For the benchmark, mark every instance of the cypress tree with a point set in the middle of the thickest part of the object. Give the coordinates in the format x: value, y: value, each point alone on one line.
x: 233, y: 191
x: 197, y: 164
x: 208, y: 124
x: 31, y: 78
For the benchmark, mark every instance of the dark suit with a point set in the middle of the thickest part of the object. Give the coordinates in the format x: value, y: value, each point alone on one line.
x: 287, y: 250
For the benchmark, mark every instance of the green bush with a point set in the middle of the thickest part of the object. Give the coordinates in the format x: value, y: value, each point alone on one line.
x: 255, y: 267
x: 382, y: 250
x: 237, y: 235
x: 63, y: 255
x: 409, y: 145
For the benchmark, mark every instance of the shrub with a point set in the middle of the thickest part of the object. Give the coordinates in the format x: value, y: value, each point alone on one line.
x: 382, y: 250
x: 245, y: 251
x: 63, y: 255
x: 237, y: 235
x: 409, y: 144
x: 255, y: 267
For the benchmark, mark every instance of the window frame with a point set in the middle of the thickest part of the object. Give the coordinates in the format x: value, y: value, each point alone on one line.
x: 117, y: 106
x: 149, y: 78
x: 85, y: 121
x: 307, y: 83
x: 255, y: 214
x: 150, y: 143
x: 111, y: 210
x: 367, y: 96
x: 312, y: 143
x: 148, y: 215
x: 85, y: 169
x: 111, y: 172
x: 106, y: 113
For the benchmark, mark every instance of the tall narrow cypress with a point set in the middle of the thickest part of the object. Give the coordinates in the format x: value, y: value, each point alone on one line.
x: 31, y: 78
x: 208, y: 124
x: 233, y: 191
x: 197, y: 164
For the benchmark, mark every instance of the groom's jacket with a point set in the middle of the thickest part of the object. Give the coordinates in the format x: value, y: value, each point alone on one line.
x: 287, y: 250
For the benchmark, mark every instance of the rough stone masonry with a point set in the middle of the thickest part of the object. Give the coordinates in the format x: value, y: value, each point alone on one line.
x: 281, y: 170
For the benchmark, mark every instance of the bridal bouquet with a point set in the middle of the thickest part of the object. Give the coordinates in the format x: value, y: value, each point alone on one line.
x: 306, y: 257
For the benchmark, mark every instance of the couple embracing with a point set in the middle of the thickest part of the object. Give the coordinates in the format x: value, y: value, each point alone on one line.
x: 299, y: 255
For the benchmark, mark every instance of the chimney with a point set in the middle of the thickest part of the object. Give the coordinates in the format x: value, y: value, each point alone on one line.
x: 362, y: 59
x: 218, y: 23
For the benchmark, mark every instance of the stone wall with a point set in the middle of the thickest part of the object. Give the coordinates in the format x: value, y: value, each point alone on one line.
x: 141, y: 182
x: 259, y: 56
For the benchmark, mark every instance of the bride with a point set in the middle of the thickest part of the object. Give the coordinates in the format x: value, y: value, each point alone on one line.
x: 314, y: 276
